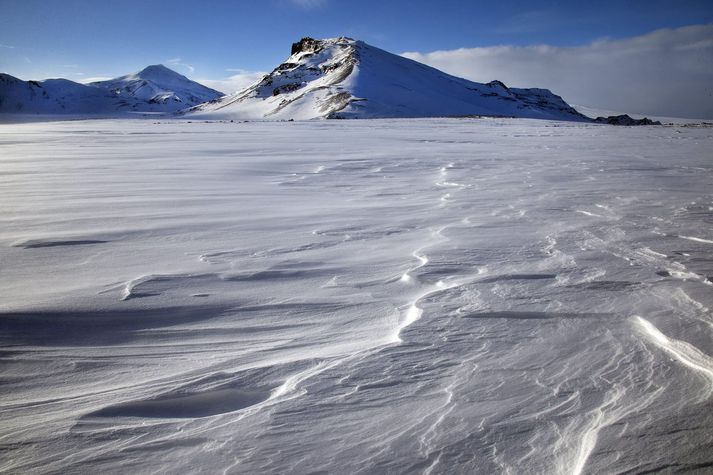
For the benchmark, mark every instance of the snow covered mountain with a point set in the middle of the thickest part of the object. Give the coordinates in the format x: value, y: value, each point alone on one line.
x: 53, y: 96
x: 157, y: 84
x: 154, y: 89
x: 345, y: 78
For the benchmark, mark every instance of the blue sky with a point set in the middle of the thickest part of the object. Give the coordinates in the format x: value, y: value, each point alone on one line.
x: 220, y: 40
x: 103, y: 38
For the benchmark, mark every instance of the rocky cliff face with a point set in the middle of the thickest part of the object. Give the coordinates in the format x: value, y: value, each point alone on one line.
x: 306, y: 45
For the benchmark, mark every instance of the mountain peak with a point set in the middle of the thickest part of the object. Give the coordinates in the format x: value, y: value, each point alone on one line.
x: 311, y: 45
x: 345, y: 78
x: 156, y: 67
x: 159, y: 71
x: 306, y: 45
x: 161, y: 86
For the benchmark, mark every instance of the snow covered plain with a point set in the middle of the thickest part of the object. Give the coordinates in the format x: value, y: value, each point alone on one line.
x: 439, y: 296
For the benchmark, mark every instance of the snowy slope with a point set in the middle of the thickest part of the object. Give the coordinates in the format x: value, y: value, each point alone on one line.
x: 53, y: 96
x: 157, y: 84
x: 154, y: 89
x: 345, y: 78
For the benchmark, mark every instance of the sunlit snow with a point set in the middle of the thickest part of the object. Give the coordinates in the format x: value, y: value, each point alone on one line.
x: 377, y: 296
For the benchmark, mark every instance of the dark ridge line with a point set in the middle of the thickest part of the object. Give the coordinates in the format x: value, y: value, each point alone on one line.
x: 80, y: 242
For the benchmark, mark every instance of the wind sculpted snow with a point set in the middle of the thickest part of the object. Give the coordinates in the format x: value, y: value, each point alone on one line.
x: 386, y: 296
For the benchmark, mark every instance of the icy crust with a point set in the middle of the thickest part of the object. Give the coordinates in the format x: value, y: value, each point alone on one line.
x: 153, y: 89
x: 346, y: 78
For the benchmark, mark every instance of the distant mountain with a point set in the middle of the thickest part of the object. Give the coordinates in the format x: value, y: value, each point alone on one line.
x: 154, y: 89
x: 157, y: 84
x: 52, y: 96
x: 345, y: 78
x: 625, y: 119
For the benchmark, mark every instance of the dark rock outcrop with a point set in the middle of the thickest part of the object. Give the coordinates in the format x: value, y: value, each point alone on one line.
x: 497, y: 84
x: 306, y: 45
x: 286, y: 88
x: 625, y: 119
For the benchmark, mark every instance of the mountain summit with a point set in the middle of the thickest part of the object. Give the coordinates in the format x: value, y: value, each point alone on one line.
x: 346, y: 78
x: 158, y: 84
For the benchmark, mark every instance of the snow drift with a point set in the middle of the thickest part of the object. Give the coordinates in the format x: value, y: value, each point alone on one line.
x: 417, y: 296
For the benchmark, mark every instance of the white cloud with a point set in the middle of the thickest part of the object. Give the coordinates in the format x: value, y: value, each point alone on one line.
x: 94, y: 79
x: 177, y: 62
x: 234, y: 83
x: 7, y: 46
x: 666, y: 72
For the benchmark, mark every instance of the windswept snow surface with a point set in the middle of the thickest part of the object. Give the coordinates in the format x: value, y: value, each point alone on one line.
x: 436, y: 296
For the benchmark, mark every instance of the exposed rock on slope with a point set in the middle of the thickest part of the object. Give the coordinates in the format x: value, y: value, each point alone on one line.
x: 345, y: 78
x: 625, y: 119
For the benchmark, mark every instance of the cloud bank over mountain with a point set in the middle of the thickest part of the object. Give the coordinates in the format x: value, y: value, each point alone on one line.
x: 667, y: 72
x: 239, y: 80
